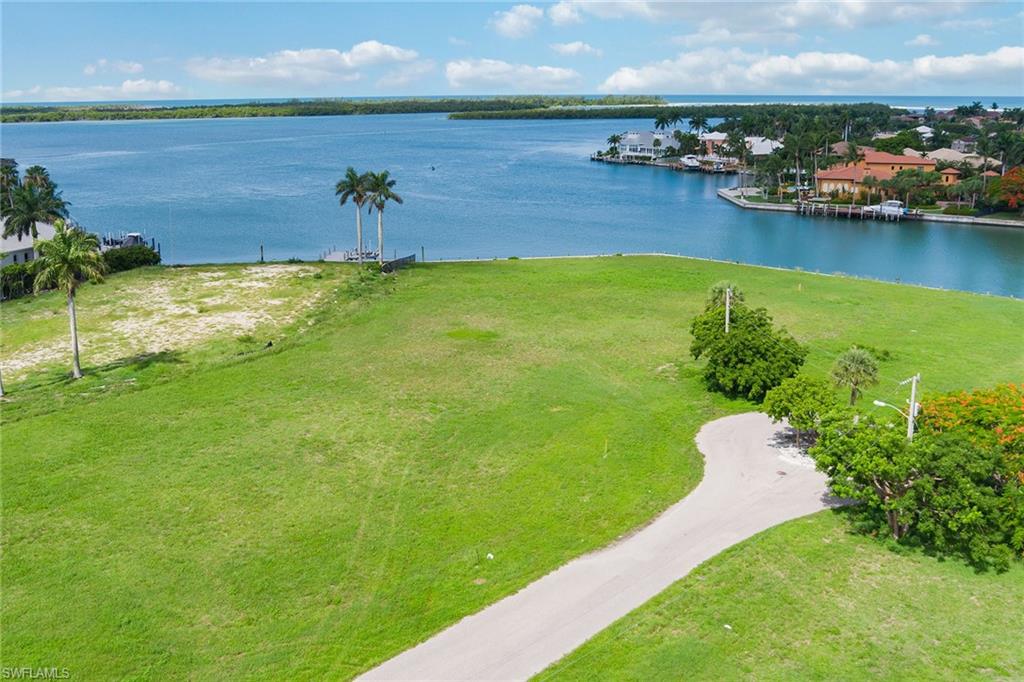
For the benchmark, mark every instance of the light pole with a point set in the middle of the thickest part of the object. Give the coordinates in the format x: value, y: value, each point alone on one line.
x: 911, y: 414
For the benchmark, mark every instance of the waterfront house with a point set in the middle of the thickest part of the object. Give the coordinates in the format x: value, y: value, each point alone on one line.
x: 925, y: 132
x: 640, y: 145
x: 713, y: 143
x: 762, y: 146
x: 23, y: 250
x: 950, y: 176
x: 848, y: 178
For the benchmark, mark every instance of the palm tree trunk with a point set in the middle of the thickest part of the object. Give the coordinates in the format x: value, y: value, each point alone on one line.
x: 359, y: 233
x: 76, y: 366
x: 380, y: 236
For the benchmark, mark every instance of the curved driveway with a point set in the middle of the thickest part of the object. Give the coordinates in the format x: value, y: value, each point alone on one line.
x: 747, y: 487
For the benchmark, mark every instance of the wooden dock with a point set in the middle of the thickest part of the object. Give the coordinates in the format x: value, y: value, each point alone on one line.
x: 849, y: 211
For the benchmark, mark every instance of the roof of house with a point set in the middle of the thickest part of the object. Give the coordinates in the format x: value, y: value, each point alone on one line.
x: 840, y: 148
x: 713, y: 137
x: 953, y: 156
x: 645, y: 138
x: 852, y: 174
x: 892, y: 159
x: 762, y: 146
x: 990, y: 174
x: 950, y: 171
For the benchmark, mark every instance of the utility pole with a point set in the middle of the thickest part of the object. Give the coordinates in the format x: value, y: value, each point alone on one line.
x: 912, y: 410
x: 261, y: 252
x: 728, y: 307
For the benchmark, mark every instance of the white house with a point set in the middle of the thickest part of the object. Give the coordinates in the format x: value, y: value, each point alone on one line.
x: 641, y: 145
x: 925, y: 132
x: 15, y: 250
x: 762, y: 146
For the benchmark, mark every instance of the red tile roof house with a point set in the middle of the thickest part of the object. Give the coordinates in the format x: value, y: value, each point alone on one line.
x: 848, y: 178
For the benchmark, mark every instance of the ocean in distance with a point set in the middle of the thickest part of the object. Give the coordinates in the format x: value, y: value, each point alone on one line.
x: 212, y: 190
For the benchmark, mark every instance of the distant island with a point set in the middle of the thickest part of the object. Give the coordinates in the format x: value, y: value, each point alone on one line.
x: 26, y: 113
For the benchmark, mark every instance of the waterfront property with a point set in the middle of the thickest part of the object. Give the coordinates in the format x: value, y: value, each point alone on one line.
x: 848, y: 178
x: 644, y: 145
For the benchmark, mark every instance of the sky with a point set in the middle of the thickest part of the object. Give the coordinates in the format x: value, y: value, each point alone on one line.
x: 86, y: 51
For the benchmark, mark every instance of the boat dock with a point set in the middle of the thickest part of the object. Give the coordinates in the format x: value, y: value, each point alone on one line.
x: 815, y: 208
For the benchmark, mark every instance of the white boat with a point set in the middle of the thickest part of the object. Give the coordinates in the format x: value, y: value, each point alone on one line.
x: 690, y: 162
x: 892, y: 207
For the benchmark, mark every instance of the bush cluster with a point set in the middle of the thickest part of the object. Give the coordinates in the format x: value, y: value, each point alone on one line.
x: 16, y: 280
x: 130, y: 257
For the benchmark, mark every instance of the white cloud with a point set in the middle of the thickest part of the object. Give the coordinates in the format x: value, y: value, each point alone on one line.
x: 575, y: 48
x: 922, y: 40
x: 309, y: 67
x: 968, y: 24
x: 752, y: 16
x: 141, y: 88
x: 112, y: 66
x: 406, y: 74
x: 492, y: 75
x: 518, y: 22
x: 737, y: 71
x: 708, y: 34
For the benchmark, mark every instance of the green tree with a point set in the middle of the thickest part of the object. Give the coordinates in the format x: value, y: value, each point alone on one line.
x: 749, y: 360
x: 716, y: 294
x: 38, y: 177
x: 353, y: 186
x: 29, y: 207
x: 857, y: 369
x: 9, y: 181
x: 698, y: 123
x: 802, y: 401
x: 380, y: 188
x: 64, y: 262
x: 613, y: 144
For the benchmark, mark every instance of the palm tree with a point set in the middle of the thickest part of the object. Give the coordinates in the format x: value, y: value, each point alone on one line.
x: 613, y: 143
x: 38, y: 177
x: 64, y: 262
x: 698, y: 123
x: 662, y: 121
x: 857, y: 369
x: 9, y: 180
x: 379, y: 186
x: 30, y: 206
x: 853, y: 154
x: 353, y: 186
x: 870, y: 182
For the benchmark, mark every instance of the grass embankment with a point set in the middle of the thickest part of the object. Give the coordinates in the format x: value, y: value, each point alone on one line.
x: 320, y: 507
x: 14, y: 113
x: 809, y: 601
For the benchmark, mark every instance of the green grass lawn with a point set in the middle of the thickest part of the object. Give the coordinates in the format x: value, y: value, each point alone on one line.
x: 315, y: 508
x: 809, y: 601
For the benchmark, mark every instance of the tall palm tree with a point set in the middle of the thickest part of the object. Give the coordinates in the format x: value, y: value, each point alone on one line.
x: 857, y: 369
x: 64, y: 262
x: 38, y: 177
x: 662, y: 121
x: 613, y: 143
x: 30, y: 206
x: 9, y: 181
x: 380, y: 187
x: 853, y: 154
x: 353, y: 186
x: 870, y: 182
x: 698, y: 123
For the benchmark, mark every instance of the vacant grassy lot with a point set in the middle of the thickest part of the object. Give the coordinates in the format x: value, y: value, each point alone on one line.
x: 318, y: 507
x: 807, y: 600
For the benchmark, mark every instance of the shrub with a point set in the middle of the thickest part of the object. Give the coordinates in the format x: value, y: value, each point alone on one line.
x: 802, y: 401
x: 16, y: 279
x: 751, y: 359
x: 130, y: 257
x: 989, y: 416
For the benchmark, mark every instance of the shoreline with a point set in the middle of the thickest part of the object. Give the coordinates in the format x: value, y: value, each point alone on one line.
x: 735, y: 196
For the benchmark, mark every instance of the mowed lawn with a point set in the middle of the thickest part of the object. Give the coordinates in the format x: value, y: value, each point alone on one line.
x: 316, y: 509
x: 809, y: 601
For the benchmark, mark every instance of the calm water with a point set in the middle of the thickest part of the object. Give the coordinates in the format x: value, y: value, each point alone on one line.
x: 212, y: 190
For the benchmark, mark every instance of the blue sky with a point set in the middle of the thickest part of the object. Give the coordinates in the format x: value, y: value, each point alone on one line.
x: 140, y: 51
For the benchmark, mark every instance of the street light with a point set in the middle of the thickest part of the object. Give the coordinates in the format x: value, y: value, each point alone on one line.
x: 912, y: 412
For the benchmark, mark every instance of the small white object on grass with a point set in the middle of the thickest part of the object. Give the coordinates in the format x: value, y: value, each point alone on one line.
x: 728, y: 627
x: 490, y: 556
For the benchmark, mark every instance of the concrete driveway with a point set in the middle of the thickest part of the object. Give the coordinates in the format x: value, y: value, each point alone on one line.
x: 749, y: 485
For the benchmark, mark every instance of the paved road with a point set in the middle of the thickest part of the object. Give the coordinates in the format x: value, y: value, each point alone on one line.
x: 747, y: 487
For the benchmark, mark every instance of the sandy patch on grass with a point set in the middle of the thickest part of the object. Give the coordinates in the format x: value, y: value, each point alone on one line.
x: 176, y: 312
